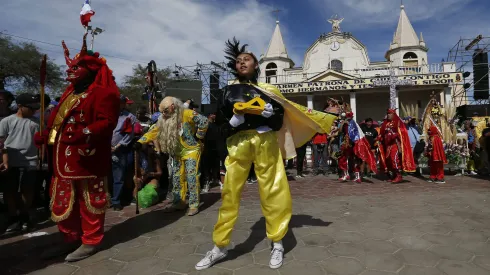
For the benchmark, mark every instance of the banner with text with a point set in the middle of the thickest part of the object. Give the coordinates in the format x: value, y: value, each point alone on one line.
x: 369, y: 83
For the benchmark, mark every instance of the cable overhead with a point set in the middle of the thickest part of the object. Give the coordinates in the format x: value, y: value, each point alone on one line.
x: 56, y: 45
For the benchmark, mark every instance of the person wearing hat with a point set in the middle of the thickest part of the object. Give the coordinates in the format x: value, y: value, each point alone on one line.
x: 79, y: 134
x: 122, y: 137
x: 20, y: 159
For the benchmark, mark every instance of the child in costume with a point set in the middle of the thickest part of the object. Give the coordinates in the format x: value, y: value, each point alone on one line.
x: 436, y: 155
x: 263, y: 127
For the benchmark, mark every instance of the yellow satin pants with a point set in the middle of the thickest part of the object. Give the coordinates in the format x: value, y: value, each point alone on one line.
x: 245, y: 148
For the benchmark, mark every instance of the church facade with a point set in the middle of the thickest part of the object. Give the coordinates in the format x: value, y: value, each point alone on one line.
x: 337, y: 66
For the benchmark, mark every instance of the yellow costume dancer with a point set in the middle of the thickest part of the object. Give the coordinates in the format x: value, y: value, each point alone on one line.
x: 180, y: 132
x: 263, y: 127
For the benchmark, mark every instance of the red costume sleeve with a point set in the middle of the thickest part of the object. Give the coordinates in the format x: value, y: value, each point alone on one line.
x: 107, y: 113
x: 438, y: 150
x: 138, y: 129
x: 408, y: 162
x: 128, y: 126
x: 437, y: 153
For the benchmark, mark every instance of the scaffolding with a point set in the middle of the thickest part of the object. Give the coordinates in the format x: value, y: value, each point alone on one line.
x: 462, y: 55
x: 215, y: 73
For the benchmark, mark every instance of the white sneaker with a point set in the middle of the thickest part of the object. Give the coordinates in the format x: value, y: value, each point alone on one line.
x: 211, y: 258
x: 276, y: 257
x: 206, y: 188
x: 220, y: 185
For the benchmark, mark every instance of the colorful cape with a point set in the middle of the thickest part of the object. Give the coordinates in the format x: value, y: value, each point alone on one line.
x: 300, y: 123
x: 408, y: 163
x: 437, y: 146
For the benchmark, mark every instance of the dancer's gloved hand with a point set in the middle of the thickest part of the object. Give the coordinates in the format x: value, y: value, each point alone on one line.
x: 268, y: 110
x: 237, y: 120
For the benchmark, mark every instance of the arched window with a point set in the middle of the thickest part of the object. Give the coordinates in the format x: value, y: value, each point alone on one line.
x: 410, y: 55
x: 336, y: 65
x: 411, y: 62
x: 270, y: 72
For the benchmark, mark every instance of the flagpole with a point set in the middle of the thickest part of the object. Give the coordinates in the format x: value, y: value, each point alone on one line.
x: 92, y: 43
x: 42, y: 82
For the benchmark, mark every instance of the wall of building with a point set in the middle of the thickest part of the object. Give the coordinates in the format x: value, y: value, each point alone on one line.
x: 371, y: 105
x: 281, y: 65
x: 397, y: 58
x: 416, y: 97
x: 350, y: 53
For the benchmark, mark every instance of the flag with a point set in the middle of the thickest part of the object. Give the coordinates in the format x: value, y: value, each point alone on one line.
x: 86, y: 13
x: 362, y: 149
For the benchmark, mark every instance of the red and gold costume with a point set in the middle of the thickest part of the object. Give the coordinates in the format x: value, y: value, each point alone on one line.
x: 347, y: 153
x: 436, y: 155
x: 79, y: 132
x: 398, y: 155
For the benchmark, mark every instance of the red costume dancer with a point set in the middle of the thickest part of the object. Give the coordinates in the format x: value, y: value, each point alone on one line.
x: 347, y: 153
x: 396, y: 146
x: 79, y: 132
x: 436, y: 155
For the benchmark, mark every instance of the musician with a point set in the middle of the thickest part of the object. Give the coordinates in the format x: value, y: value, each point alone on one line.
x: 79, y: 130
x: 263, y: 136
x: 398, y: 154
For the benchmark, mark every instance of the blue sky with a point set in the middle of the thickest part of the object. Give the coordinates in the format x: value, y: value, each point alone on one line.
x: 184, y: 32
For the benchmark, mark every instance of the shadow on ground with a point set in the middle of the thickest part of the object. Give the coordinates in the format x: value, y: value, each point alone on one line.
x: 259, y: 233
x: 23, y: 256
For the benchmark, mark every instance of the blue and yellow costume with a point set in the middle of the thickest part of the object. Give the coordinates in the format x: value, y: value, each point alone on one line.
x: 186, y: 160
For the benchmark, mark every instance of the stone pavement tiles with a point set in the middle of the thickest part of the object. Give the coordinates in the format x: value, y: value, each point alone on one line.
x: 414, y: 228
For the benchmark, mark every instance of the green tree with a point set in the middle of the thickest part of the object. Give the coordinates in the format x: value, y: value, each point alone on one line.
x: 133, y: 86
x: 19, y: 68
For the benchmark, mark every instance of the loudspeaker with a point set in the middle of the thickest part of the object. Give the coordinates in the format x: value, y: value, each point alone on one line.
x: 466, y: 111
x: 214, y: 87
x: 480, y: 75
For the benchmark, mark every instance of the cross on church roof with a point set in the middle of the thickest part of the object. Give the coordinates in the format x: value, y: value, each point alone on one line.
x: 392, y: 82
x: 276, y: 12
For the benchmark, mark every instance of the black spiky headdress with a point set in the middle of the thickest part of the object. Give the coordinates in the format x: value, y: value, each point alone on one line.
x: 232, y: 51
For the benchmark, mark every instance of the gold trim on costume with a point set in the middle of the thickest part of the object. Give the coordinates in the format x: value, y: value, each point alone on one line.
x: 67, y: 213
x: 57, y: 164
x: 86, y: 196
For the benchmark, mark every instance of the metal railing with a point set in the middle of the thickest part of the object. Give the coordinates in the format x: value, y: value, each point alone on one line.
x: 363, y: 73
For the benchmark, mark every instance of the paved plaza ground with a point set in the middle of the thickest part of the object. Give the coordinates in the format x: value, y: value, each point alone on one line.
x: 375, y: 228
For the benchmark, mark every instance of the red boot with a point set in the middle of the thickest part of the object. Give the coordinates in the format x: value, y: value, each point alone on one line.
x: 398, y: 178
x: 358, y: 178
x: 345, y: 177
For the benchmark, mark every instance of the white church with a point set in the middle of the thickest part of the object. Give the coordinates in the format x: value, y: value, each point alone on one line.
x: 337, y: 65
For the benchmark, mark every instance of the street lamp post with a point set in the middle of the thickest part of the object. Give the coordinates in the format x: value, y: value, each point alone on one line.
x: 93, y: 32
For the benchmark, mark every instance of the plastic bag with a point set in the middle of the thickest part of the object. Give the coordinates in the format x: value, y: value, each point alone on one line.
x: 148, y: 196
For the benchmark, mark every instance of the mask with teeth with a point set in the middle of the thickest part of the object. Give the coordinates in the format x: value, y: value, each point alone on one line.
x: 79, y: 68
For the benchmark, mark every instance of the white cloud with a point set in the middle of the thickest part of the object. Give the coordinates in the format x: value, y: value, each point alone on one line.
x: 361, y: 14
x: 443, y: 22
x: 180, y: 32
